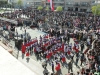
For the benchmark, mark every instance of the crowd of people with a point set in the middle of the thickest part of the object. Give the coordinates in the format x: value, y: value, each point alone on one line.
x: 67, y: 35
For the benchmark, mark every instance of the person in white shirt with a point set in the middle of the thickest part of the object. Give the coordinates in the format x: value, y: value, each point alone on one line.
x: 70, y: 45
x: 99, y: 32
x: 1, y: 28
x: 75, y: 31
x: 66, y: 32
x: 45, y: 54
x: 88, y: 41
x: 84, y: 31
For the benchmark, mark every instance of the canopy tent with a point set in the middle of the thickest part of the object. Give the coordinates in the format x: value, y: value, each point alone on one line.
x: 9, y: 20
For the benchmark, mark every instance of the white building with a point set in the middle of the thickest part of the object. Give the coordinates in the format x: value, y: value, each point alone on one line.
x: 26, y: 3
x: 70, y: 5
x: 73, y: 5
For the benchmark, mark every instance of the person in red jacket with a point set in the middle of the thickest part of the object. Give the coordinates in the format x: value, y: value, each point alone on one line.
x: 23, y: 48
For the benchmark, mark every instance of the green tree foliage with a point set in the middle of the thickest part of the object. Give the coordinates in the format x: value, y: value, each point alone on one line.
x: 47, y: 8
x: 59, y: 8
x: 9, y: 5
x: 20, y: 3
x: 96, y: 9
x: 2, y: 3
x: 39, y: 8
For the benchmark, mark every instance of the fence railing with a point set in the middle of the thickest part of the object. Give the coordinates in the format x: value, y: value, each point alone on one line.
x: 15, y: 51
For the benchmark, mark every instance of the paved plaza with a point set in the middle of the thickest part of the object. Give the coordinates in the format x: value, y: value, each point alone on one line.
x: 66, y: 32
x: 38, y: 63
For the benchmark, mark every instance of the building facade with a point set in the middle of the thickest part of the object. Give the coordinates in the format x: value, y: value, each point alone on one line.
x: 70, y: 5
x: 73, y: 5
x: 79, y: 5
x: 27, y: 3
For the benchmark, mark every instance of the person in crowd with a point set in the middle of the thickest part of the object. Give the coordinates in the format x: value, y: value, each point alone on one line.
x: 70, y: 66
x: 82, y: 59
x: 79, y: 27
x: 52, y: 66
x: 77, y: 58
x: 82, y: 46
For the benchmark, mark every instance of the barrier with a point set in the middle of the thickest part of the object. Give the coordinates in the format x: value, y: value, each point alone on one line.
x: 6, y: 45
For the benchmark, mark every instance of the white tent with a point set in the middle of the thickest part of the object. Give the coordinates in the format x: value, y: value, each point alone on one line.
x: 9, y: 20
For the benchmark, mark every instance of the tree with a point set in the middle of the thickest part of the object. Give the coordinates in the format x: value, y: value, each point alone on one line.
x: 39, y: 8
x: 59, y: 8
x: 96, y: 9
x: 3, y: 3
x: 47, y: 8
x: 20, y: 3
x: 9, y: 5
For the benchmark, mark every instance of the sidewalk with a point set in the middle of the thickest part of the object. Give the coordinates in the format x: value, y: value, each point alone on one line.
x: 36, y: 66
x: 32, y: 64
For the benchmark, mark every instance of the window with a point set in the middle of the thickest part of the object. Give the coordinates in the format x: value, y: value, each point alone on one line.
x: 76, y: 4
x: 62, y: 0
x: 70, y: 8
x: 47, y: 3
x: 84, y: 4
x: 69, y: 3
x: 61, y: 4
x: 37, y: 3
x: 83, y: 10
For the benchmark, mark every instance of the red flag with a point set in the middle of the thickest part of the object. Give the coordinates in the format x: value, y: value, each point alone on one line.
x: 51, y: 4
x: 48, y: 0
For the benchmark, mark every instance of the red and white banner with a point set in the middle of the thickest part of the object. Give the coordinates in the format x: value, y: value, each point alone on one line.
x: 51, y: 4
